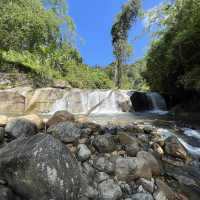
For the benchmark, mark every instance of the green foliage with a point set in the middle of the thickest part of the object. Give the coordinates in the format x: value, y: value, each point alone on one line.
x: 31, y: 42
x: 132, y: 77
x: 24, y: 25
x: 120, y: 28
x: 173, y: 62
x: 86, y: 77
x: 43, y: 72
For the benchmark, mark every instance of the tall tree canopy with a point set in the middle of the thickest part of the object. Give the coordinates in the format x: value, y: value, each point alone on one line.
x: 25, y: 25
x: 120, y: 28
x: 173, y: 61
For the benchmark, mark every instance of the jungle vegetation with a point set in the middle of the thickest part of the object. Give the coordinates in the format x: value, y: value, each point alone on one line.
x: 173, y: 60
x: 32, y: 42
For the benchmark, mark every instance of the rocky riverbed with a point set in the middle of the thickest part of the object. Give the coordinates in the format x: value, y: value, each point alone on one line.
x: 70, y: 158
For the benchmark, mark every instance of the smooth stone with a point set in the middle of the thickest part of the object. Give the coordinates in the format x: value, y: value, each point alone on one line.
x: 104, y: 143
x: 125, y: 138
x: 174, y: 148
x: 83, y: 153
x: 151, y: 162
x: 60, y: 116
x: 163, y: 192
x: 125, y: 167
x: 20, y: 127
x: 35, y: 119
x: 103, y: 164
x: 142, y: 196
x: 109, y: 190
x: 132, y: 149
x: 67, y: 132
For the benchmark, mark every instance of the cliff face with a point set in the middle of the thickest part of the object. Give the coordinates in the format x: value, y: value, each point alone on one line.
x: 25, y: 99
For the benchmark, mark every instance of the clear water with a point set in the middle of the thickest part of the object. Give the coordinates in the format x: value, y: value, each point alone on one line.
x: 189, y: 138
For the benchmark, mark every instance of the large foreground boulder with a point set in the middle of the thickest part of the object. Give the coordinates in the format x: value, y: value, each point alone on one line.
x: 40, y: 167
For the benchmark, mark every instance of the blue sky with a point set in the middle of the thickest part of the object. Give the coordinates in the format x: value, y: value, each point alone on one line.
x: 94, y: 20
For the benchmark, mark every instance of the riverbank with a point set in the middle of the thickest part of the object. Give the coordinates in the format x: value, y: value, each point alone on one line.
x: 136, y: 160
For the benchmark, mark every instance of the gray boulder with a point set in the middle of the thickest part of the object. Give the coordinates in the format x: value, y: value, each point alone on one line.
x: 132, y: 149
x: 124, y: 167
x: 67, y: 132
x: 142, y: 196
x: 40, y: 166
x: 104, y: 143
x: 20, y: 127
x: 101, y: 176
x: 83, y: 152
x: 109, y: 190
x: 103, y: 164
x: 90, y: 193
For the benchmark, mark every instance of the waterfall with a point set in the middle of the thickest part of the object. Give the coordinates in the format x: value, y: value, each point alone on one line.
x: 157, y: 102
x: 92, y: 101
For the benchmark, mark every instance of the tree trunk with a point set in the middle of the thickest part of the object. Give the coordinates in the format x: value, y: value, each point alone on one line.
x: 118, y: 74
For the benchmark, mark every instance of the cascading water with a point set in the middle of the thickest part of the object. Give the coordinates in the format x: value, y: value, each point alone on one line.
x: 95, y: 102
x: 157, y: 102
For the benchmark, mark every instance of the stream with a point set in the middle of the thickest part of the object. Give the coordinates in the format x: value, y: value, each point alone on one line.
x: 166, y: 126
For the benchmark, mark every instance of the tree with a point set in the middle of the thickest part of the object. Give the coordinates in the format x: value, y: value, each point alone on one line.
x: 25, y: 25
x: 120, y: 28
x: 60, y: 8
x: 173, y: 64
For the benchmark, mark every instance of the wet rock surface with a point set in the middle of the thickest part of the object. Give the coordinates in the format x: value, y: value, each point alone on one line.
x: 86, y: 161
x: 174, y: 148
